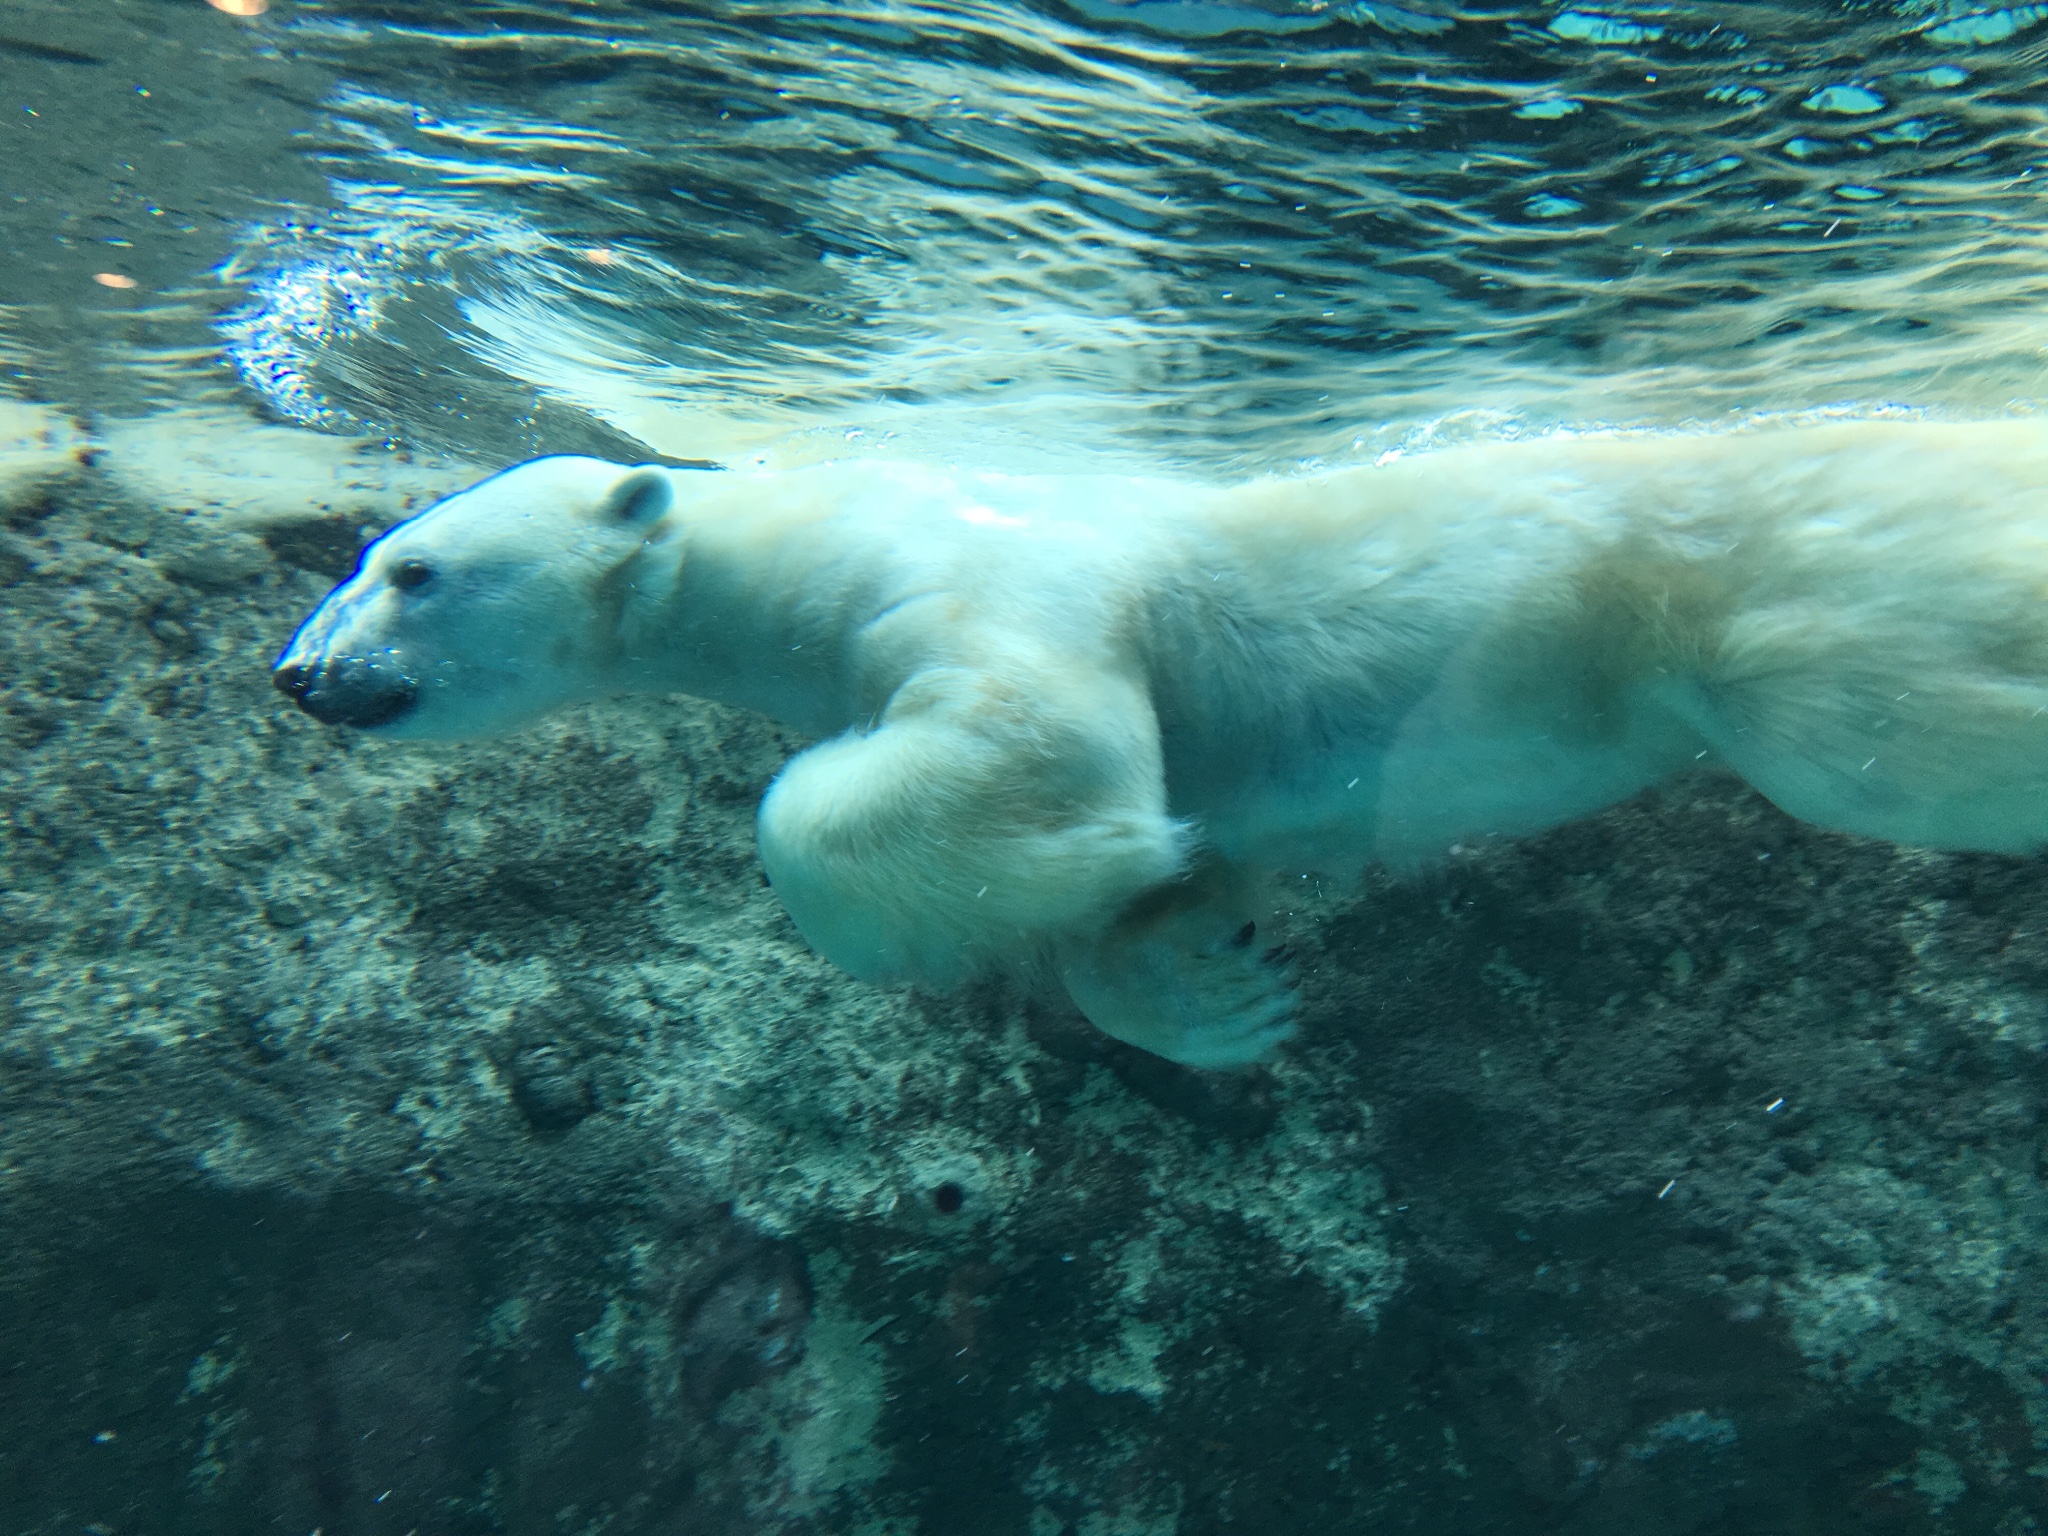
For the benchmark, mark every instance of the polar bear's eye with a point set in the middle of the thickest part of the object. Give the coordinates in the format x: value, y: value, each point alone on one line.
x: 408, y: 574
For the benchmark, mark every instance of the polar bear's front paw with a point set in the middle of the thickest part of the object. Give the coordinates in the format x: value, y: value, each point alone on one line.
x: 1216, y: 1000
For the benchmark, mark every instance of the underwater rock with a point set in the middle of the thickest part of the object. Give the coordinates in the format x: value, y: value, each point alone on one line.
x: 467, y: 1128
x: 553, y: 1092
x: 223, y: 467
x: 749, y: 1326
x: 40, y: 449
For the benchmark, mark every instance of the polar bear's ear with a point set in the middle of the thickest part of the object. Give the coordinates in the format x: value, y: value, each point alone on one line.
x: 639, y: 498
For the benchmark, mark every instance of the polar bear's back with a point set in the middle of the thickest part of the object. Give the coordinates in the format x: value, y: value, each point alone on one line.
x: 1496, y: 638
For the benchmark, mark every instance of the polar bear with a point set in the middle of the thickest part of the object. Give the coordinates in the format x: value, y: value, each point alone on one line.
x: 1072, y: 719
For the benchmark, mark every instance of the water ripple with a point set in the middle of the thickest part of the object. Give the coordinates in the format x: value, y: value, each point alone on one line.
x: 1215, y: 233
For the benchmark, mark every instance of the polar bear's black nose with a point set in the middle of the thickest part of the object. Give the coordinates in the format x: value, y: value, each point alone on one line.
x: 360, y: 691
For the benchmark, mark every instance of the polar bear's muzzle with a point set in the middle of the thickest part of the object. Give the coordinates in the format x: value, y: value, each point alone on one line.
x: 359, y: 691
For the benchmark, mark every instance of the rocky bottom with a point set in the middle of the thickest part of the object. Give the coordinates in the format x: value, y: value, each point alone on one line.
x: 402, y: 1139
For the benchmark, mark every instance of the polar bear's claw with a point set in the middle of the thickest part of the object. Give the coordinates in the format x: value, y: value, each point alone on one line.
x: 1201, y: 1002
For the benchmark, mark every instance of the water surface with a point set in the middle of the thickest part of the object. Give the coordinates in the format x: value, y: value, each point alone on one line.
x: 1212, y: 236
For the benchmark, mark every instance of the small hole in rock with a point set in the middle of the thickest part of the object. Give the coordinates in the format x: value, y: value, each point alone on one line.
x: 949, y: 1197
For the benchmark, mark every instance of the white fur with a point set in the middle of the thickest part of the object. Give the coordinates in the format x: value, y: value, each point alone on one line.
x: 1071, y: 716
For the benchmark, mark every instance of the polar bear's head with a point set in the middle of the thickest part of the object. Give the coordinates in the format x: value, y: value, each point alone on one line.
x: 490, y: 607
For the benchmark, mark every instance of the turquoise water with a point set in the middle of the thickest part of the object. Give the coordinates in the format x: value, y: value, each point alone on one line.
x: 410, y: 1139
x: 1212, y: 234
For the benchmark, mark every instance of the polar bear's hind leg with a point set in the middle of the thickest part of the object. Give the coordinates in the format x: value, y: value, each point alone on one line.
x: 1939, y: 739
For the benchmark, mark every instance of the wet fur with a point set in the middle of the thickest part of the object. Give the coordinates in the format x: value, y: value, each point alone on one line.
x: 1046, y: 701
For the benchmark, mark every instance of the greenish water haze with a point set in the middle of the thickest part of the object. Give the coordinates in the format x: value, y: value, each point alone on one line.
x: 398, y: 1140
